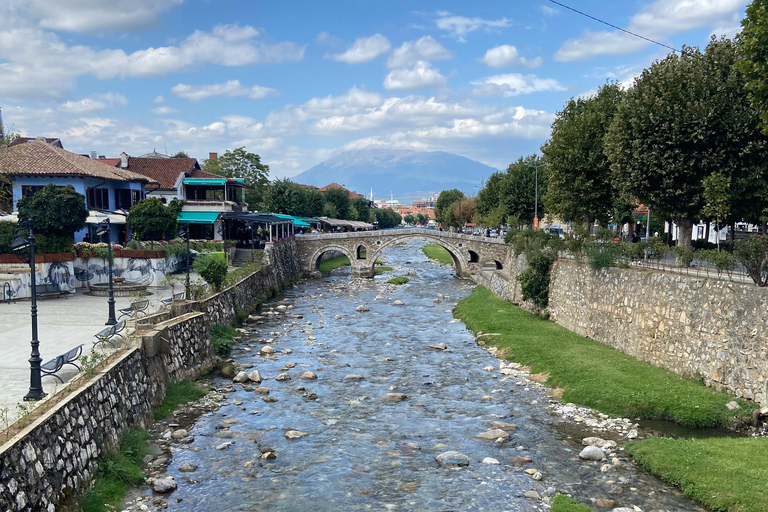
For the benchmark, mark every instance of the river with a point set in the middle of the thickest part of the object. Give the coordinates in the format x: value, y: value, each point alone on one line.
x: 364, y: 453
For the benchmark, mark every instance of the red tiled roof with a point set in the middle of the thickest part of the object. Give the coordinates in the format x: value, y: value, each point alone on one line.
x: 352, y: 195
x: 163, y: 170
x: 197, y: 173
x: 38, y: 158
x: 24, y: 140
x: 112, y: 162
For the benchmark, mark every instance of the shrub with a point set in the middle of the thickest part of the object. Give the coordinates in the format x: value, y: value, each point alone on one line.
x: 213, y: 270
x: 221, y: 337
x: 398, y: 280
x: 684, y: 254
x: 6, y: 236
x: 604, y: 255
x: 534, y: 281
x: 753, y: 254
x: 530, y: 243
x: 722, y: 261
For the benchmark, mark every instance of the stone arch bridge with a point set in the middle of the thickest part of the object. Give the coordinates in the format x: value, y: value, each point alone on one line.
x: 469, y: 252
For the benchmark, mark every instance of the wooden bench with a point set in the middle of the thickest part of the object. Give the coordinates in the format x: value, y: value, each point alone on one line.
x: 54, y: 365
x: 107, y: 334
x: 49, y: 290
x: 135, y: 309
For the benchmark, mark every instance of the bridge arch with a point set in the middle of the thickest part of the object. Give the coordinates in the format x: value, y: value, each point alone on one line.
x: 491, y: 264
x: 314, y: 262
x: 361, y: 252
x: 458, y: 252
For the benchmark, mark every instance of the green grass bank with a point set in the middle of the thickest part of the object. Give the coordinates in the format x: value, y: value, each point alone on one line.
x: 332, y: 264
x: 593, y: 374
x: 438, y: 253
x: 563, y: 503
x: 725, y: 474
x: 398, y: 280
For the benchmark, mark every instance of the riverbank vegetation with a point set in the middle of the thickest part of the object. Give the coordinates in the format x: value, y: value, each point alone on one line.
x: 221, y: 338
x: 725, y: 474
x: 593, y: 374
x: 398, y: 280
x: 328, y: 266
x: 563, y: 503
x: 178, y: 393
x: 118, y: 470
x: 438, y: 253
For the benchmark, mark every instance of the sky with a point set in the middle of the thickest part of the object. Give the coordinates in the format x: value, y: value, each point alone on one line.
x: 300, y: 81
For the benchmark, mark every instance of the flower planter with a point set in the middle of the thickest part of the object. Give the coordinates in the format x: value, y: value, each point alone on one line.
x: 39, y: 258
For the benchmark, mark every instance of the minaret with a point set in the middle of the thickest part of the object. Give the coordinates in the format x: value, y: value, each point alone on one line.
x: 371, y: 187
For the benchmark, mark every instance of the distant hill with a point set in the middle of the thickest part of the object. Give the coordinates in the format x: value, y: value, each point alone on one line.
x: 407, y: 174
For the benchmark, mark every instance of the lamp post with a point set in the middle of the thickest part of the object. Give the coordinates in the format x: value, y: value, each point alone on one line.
x: 104, y: 228
x: 184, y: 233
x: 35, y: 377
x: 536, y: 197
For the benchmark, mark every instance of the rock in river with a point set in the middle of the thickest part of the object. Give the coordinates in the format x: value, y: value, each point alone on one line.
x: 394, y: 397
x: 240, y: 378
x: 309, y: 375
x: 353, y: 376
x: 267, y: 351
x: 283, y: 376
x: 255, y: 376
x: 295, y: 434
x: 163, y: 485
x: 592, y: 453
x: 439, y: 346
x: 362, y: 307
x: 494, y: 434
x: 452, y: 459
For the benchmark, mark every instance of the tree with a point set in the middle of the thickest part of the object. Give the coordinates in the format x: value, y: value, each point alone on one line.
x: 150, y: 217
x: 387, y: 218
x: 6, y: 192
x: 462, y: 212
x: 362, y: 207
x: 717, y: 200
x: 686, y: 117
x: 284, y: 196
x: 444, y: 204
x: 339, y: 199
x: 409, y: 218
x: 212, y: 269
x: 55, y: 211
x: 239, y: 163
x: 518, y: 190
x: 422, y: 219
x: 579, y: 180
x: 313, y: 202
x: 752, y: 42
x: 180, y: 154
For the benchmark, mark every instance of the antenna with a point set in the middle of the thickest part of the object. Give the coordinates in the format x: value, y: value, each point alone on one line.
x: 166, y: 147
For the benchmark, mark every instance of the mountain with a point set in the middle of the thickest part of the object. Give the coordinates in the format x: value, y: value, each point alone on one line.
x: 407, y: 174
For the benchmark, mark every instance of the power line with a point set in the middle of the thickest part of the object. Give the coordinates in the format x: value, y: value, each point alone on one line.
x: 614, y: 26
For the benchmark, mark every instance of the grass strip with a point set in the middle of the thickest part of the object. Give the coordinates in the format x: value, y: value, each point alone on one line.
x: 438, y: 253
x: 332, y: 264
x: 725, y: 474
x: 398, y: 280
x: 594, y: 374
x: 563, y: 503
x: 118, y: 470
x: 382, y: 270
x: 221, y: 338
x: 178, y: 393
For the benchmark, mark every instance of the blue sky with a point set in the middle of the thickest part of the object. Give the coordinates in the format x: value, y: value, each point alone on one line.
x: 298, y: 82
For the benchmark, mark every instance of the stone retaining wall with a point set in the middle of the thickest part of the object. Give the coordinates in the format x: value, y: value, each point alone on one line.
x: 702, y: 328
x: 53, y: 459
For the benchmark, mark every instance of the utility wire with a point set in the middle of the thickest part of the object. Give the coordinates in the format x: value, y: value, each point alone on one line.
x: 614, y: 26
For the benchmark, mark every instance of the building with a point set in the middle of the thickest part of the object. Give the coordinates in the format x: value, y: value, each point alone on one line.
x: 35, y: 163
x: 206, y: 196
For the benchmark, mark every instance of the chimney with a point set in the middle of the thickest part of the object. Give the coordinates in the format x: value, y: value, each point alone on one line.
x: 94, y: 155
x: 211, y: 156
x: 123, y: 160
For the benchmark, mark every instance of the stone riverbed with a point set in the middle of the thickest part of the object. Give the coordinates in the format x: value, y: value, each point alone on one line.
x: 356, y: 410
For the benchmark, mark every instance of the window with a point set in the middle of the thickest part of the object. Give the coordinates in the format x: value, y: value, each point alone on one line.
x: 30, y: 190
x: 98, y: 199
x: 136, y: 196
x: 123, y: 198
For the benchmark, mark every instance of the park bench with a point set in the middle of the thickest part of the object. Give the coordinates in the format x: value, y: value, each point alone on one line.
x: 176, y: 296
x: 54, y: 365
x: 107, y: 334
x: 135, y: 309
x: 49, y: 290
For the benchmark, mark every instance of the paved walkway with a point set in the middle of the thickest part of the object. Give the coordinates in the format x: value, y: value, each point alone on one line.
x: 63, y: 323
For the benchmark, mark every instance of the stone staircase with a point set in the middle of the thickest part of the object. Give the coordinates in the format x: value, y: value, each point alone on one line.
x: 246, y: 256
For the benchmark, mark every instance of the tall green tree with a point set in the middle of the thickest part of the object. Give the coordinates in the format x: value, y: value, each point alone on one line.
x: 339, y: 199
x: 180, y: 154
x: 55, y: 211
x: 283, y: 196
x: 363, y: 209
x: 717, y: 199
x: 518, y: 192
x: 240, y: 163
x: 444, y: 204
x: 686, y: 117
x: 313, y: 202
x: 579, y: 180
x: 150, y: 218
x: 753, y: 49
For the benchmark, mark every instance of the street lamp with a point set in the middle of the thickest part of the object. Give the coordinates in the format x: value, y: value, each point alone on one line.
x: 184, y: 234
x: 35, y: 377
x: 536, y: 197
x: 104, y: 228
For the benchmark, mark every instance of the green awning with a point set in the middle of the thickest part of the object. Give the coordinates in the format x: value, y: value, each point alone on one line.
x: 296, y: 222
x: 197, y: 217
x: 205, y: 181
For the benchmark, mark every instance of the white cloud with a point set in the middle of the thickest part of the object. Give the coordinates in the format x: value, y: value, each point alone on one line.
x: 159, y: 99
x: 548, y: 11
x: 96, y: 15
x: 162, y: 111
x: 507, y: 55
x: 420, y: 76
x: 93, y: 103
x: 424, y: 49
x: 327, y: 39
x: 459, y: 26
x: 230, y: 89
x: 514, y: 84
x: 40, y: 64
x: 658, y: 20
x: 364, y: 49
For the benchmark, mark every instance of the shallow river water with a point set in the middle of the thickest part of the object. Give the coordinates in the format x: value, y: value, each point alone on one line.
x: 363, y: 453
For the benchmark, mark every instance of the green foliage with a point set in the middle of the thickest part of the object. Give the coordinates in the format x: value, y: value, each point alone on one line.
x: 150, y: 217
x: 398, y: 280
x: 534, y: 280
x: 722, y: 261
x: 284, y: 196
x: 332, y: 264
x: 409, y: 219
x: 6, y: 236
x: 684, y: 254
x: 513, y: 193
x: 221, y: 338
x: 594, y: 374
x: 55, y: 211
x: 241, y: 272
x: 726, y: 474
x: 579, y: 181
x: 240, y: 316
x: 717, y: 199
x: 339, y: 199
x: 603, y: 255
x: 563, y: 503
x: 239, y: 163
x: 180, y: 154
x: 531, y: 243
x: 387, y: 218
x: 444, y: 204
x: 462, y: 212
x: 753, y: 254
x: 752, y: 42
x: 177, y: 394
x: 118, y: 470
x: 422, y: 219
x: 363, y: 209
x: 213, y: 270
x: 438, y: 253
